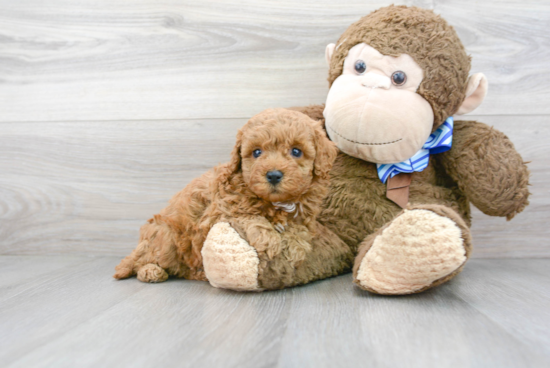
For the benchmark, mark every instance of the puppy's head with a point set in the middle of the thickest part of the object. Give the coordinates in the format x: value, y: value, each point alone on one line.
x: 282, y: 155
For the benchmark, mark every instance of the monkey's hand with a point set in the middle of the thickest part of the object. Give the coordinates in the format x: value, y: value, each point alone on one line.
x: 488, y: 169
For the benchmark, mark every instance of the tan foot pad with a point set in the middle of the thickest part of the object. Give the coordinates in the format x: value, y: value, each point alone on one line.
x: 416, y: 249
x: 152, y: 273
x: 229, y: 261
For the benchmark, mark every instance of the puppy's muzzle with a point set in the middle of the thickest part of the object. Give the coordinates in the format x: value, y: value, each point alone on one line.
x: 274, y: 177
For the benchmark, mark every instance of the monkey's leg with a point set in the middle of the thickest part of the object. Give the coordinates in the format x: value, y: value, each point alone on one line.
x: 269, y: 261
x: 328, y: 256
x: 229, y: 261
x: 422, y: 247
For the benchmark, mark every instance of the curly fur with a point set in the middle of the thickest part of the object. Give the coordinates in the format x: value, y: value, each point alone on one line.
x: 238, y: 192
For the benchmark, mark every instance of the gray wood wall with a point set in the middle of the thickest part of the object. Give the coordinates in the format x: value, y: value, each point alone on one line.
x: 107, y: 108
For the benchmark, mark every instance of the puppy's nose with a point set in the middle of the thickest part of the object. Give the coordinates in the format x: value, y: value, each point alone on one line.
x: 274, y: 177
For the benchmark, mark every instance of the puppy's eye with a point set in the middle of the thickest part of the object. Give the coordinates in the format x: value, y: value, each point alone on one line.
x: 399, y: 78
x: 296, y: 152
x: 257, y: 153
x: 360, y: 66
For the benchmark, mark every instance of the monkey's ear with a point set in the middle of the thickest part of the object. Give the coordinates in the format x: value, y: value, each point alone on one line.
x: 475, y: 93
x: 328, y: 52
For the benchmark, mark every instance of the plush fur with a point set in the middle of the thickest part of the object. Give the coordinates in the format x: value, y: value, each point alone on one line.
x: 391, y: 261
x: 238, y: 193
x: 482, y: 167
x: 229, y: 261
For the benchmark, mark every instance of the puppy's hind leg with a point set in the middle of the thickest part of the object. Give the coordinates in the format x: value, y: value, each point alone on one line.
x: 148, y: 272
x: 144, y: 260
x: 152, y: 273
x: 125, y: 268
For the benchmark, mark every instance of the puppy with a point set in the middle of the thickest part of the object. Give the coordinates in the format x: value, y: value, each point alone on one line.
x: 278, y: 177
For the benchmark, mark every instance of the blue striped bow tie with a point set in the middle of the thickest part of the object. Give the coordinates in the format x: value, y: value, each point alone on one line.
x: 439, y: 141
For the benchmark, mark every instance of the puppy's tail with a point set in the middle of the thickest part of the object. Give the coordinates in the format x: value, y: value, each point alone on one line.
x: 125, y: 268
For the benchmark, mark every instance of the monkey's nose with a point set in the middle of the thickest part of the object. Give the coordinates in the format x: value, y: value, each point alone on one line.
x: 274, y: 177
x: 375, y: 80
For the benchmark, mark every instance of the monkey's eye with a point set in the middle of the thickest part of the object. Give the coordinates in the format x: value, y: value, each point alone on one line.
x: 399, y: 78
x: 360, y: 66
x: 256, y: 153
x: 296, y: 152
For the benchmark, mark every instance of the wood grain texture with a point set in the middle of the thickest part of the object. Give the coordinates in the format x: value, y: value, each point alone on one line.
x: 20, y: 271
x: 528, y: 234
x: 87, y: 187
x: 92, y: 185
x: 492, y: 315
x: 511, y: 296
x: 173, y: 59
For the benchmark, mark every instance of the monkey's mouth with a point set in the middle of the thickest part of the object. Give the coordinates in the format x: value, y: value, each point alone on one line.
x: 363, y: 143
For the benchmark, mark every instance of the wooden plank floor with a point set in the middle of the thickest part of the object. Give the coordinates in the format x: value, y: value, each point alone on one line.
x: 67, y: 311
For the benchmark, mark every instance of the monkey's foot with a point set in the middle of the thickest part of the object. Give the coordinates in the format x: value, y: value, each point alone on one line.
x: 152, y: 273
x: 419, y: 249
x: 229, y: 261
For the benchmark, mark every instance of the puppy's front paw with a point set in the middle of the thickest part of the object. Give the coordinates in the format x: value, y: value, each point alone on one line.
x: 229, y: 261
x: 261, y: 234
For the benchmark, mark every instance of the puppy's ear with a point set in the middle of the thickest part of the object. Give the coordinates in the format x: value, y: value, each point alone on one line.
x: 234, y: 164
x: 326, y: 152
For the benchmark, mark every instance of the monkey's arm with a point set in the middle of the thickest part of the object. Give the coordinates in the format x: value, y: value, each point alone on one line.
x: 488, y: 169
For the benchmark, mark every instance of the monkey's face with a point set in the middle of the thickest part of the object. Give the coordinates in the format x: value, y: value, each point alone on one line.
x: 373, y: 111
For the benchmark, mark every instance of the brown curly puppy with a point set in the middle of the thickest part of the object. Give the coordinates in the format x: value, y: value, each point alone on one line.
x: 276, y: 180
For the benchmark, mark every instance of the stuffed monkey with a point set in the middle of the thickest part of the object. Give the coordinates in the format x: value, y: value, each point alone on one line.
x: 398, y: 208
